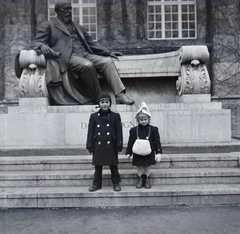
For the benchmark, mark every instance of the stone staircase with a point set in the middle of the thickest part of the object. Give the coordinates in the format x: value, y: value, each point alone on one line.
x: 63, y: 180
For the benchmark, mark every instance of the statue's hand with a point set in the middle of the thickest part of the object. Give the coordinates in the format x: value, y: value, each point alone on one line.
x: 115, y: 54
x: 48, y: 52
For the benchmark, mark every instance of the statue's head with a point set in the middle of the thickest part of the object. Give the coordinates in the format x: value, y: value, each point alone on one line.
x: 63, y: 9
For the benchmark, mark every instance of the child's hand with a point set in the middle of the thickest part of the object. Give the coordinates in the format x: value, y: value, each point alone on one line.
x: 158, y: 157
x: 129, y: 156
x: 90, y: 150
x: 119, y: 149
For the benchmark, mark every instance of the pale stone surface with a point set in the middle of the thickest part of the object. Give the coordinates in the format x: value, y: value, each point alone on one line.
x: 193, y: 98
x: 117, y: 108
x: 170, y: 195
x: 41, y: 125
x: 128, y: 176
x: 106, y: 202
x: 152, y: 65
x: 34, y: 129
x: 84, y: 162
x: 197, y: 126
x: 18, y: 203
x: 32, y: 102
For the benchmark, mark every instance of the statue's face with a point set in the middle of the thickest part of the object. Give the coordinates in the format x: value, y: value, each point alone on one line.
x: 65, y: 13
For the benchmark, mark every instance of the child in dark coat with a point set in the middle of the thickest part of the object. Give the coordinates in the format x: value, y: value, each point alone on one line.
x: 104, y: 141
x: 144, y: 131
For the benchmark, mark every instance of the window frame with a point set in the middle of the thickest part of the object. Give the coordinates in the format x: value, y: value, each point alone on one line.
x: 180, y: 30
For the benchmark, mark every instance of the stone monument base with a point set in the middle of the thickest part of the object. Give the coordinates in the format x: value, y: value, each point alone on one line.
x: 35, y: 123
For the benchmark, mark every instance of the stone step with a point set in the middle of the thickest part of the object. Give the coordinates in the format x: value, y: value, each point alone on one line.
x: 173, y: 148
x: 79, y: 162
x: 81, y: 178
x: 158, y: 195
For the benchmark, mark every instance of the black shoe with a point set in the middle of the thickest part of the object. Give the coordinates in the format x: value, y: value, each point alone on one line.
x: 94, y: 188
x: 116, y: 187
x: 147, y: 184
x: 121, y: 98
x: 139, y: 182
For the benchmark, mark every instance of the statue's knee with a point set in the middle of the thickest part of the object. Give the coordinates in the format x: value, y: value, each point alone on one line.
x: 108, y: 60
x: 88, y: 65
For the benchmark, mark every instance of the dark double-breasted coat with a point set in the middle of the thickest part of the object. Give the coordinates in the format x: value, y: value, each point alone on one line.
x: 105, y: 137
x: 154, y: 139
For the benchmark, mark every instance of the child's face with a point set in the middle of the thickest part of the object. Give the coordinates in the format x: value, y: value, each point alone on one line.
x: 143, y: 120
x: 104, y: 105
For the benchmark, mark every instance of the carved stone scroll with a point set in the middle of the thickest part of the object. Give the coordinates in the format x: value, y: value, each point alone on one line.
x: 32, y: 81
x: 194, y: 77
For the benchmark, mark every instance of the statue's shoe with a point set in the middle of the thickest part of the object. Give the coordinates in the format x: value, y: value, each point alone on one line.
x: 123, y: 99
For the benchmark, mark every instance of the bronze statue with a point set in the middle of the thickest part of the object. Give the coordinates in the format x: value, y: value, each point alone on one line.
x: 70, y: 50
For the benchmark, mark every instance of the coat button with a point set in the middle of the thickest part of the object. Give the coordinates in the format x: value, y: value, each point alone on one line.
x: 99, y: 133
x: 108, y: 142
x: 98, y: 114
x: 98, y: 125
x: 107, y: 125
x: 108, y: 133
x: 99, y: 142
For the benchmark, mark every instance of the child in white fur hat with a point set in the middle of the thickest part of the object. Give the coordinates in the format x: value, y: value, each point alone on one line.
x: 144, y: 131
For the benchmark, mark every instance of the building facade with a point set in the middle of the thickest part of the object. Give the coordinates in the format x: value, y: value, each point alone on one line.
x: 136, y: 27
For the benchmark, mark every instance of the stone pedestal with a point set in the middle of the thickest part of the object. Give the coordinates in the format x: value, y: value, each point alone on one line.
x: 43, y: 125
x: 194, y: 98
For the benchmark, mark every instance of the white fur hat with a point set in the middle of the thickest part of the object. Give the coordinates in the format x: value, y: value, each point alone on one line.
x: 143, y: 109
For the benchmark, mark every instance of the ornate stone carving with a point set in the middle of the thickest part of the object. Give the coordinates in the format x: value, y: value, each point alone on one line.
x: 32, y: 81
x: 194, y: 77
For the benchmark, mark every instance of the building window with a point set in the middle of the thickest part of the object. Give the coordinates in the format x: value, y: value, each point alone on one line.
x: 171, y: 19
x: 84, y: 12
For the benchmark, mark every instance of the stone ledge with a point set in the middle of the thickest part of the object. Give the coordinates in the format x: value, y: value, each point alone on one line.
x: 164, y: 195
x: 194, y: 98
x: 168, y: 148
x: 128, y: 176
x: 35, y: 108
x: 77, y: 162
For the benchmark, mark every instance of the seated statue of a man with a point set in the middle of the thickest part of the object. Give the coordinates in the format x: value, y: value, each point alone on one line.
x: 69, y: 48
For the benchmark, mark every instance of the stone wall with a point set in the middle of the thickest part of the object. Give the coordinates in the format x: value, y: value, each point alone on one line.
x: 18, y: 29
x: 226, y: 48
x: 1, y: 52
x: 226, y: 57
x: 17, y: 35
x: 123, y: 26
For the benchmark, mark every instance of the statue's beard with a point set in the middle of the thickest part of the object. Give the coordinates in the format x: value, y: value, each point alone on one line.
x: 67, y: 18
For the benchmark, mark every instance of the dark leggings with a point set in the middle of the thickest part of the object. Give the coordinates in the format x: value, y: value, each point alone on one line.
x: 115, y: 176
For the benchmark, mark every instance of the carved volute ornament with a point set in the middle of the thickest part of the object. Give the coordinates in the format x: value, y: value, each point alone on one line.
x: 32, y: 81
x: 194, y: 77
